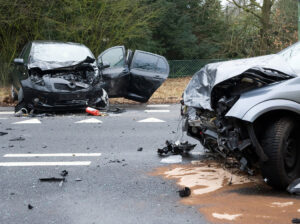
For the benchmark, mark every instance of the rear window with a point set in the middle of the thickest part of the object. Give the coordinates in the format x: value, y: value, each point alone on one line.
x: 149, y: 62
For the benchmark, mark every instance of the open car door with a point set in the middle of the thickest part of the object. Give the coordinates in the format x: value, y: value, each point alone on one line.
x: 116, y: 77
x: 147, y: 72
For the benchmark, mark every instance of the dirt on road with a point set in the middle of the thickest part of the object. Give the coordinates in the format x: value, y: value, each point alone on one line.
x: 230, y: 196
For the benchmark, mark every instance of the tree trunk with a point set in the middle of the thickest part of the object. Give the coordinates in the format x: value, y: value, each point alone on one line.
x: 266, y: 24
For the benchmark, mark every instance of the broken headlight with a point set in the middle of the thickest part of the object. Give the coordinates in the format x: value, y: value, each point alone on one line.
x: 37, y: 80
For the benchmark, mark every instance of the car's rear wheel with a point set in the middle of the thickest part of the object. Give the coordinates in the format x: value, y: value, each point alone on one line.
x: 282, y: 145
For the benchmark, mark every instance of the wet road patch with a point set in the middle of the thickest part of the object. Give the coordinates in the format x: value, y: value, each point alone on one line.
x: 230, y: 196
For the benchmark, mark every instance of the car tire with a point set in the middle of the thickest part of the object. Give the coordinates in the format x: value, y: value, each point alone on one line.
x: 281, y: 145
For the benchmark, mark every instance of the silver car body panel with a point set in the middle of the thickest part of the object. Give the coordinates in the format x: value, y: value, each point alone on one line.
x: 198, y: 92
x: 277, y: 96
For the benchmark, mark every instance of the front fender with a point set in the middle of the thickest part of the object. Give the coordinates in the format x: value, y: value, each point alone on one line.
x: 261, y: 108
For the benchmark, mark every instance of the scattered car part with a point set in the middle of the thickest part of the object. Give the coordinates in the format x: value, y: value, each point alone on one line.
x: 78, y: 179
x: 295, y: 220
x: 116, y: 110
x: 17, y: 139
x: 29, y: 206
x: 140, y: 149
x: 45, y: 79
x: 93, y: 111
x: 249, y: 109
x: 176, y: 148
x: 3, y: 133
x: 185, y: 192
x: 294, y: 187
x: 52, y: 179
x: 64, y: 173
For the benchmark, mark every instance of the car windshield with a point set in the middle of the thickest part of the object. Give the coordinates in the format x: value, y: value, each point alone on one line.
x: 292, y: 56
x: 59, y: 52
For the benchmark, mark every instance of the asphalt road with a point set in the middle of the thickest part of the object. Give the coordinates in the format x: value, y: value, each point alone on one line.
x: 114, y: 187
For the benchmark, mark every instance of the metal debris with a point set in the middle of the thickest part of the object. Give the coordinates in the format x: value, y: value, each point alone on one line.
x: 64, y: 173
x: 176, y: 148
x: 17, y: 139
x: 185, y: 192
x: 295, y: 220
x: 3, y: 133
x: 140, y: 149
x: 78, y: 179
x: 52, y: 179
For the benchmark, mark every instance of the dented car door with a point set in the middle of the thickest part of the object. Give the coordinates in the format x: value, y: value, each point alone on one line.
x: 147, y: 72
x: 135, y: 76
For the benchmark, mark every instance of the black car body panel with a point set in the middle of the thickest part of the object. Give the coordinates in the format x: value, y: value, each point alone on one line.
x: 55, y: 75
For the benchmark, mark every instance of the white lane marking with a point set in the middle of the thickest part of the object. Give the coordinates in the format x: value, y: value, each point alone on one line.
x: 54, y: 155
x: 172, y: 159
x: 74, y: 163
x: 30, y: 121
x: 6, y: 112
x: 158, y: 105
x: 157, y: 111
x: 151, y: 120
x: 91, y: 120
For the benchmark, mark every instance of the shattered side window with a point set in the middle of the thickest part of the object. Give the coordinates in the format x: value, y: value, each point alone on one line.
x: 162, y: 66
x: 115, y: 57
x: 292, y: 56
x: 145, y: 61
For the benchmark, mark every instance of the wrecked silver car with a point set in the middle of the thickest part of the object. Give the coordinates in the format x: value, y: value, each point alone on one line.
x: 53, y: 75
x: 249, y: 109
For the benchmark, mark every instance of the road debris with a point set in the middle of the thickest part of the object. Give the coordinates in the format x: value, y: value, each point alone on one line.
x: 64, y: 173
x: 140, y: 149
x: 176, y: 148
x: 17, y: 139
x: 295, y: 220
x: 93, y: 111
x: 78, y: 179
x: 172, y: 159
x: 185, y: 192
x: 29, y: 206
x: 294, y: 187
x: 3, y: 133
x: 116, y: 110
x: 52, y: 179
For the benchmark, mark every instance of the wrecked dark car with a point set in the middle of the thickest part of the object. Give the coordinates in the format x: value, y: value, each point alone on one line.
x: 53, y: 75
x: 249, y: 109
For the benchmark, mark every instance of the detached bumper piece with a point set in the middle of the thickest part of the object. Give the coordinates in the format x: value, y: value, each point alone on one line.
x: 176, y: 148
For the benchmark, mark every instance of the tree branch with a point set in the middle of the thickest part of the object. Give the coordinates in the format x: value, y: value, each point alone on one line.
x: 245, y: 8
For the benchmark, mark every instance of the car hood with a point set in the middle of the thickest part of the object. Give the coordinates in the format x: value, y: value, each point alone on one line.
x: 198, y: 91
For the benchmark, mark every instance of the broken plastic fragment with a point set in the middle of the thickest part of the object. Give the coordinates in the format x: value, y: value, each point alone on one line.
x: 3, y: 133
x: 176, y: 148
x: 93, y: 111
x: 29, y: 206
x: 185, y: 192
x: 52, y: 179
x: 17, y: 139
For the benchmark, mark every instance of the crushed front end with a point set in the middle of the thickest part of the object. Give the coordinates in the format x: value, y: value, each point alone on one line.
x: 209, y: 97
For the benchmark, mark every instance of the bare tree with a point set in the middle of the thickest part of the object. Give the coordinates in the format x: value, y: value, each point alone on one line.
x: 262, y: 12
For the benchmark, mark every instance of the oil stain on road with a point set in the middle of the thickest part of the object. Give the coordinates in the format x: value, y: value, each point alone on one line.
x: 230, y: 196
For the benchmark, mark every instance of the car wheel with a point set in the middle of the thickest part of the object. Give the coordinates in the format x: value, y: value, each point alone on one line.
x: 281, y: 144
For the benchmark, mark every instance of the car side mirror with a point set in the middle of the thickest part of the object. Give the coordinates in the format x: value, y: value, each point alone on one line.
x: 104, y: 65
x: 19, y: 61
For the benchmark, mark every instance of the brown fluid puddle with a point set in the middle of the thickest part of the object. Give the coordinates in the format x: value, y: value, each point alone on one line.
x: 230, y: 196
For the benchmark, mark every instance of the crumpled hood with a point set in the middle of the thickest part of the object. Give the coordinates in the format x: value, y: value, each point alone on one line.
x: 198, y: 91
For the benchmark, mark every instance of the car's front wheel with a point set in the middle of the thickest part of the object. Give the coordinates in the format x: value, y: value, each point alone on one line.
x: 281, y: 143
